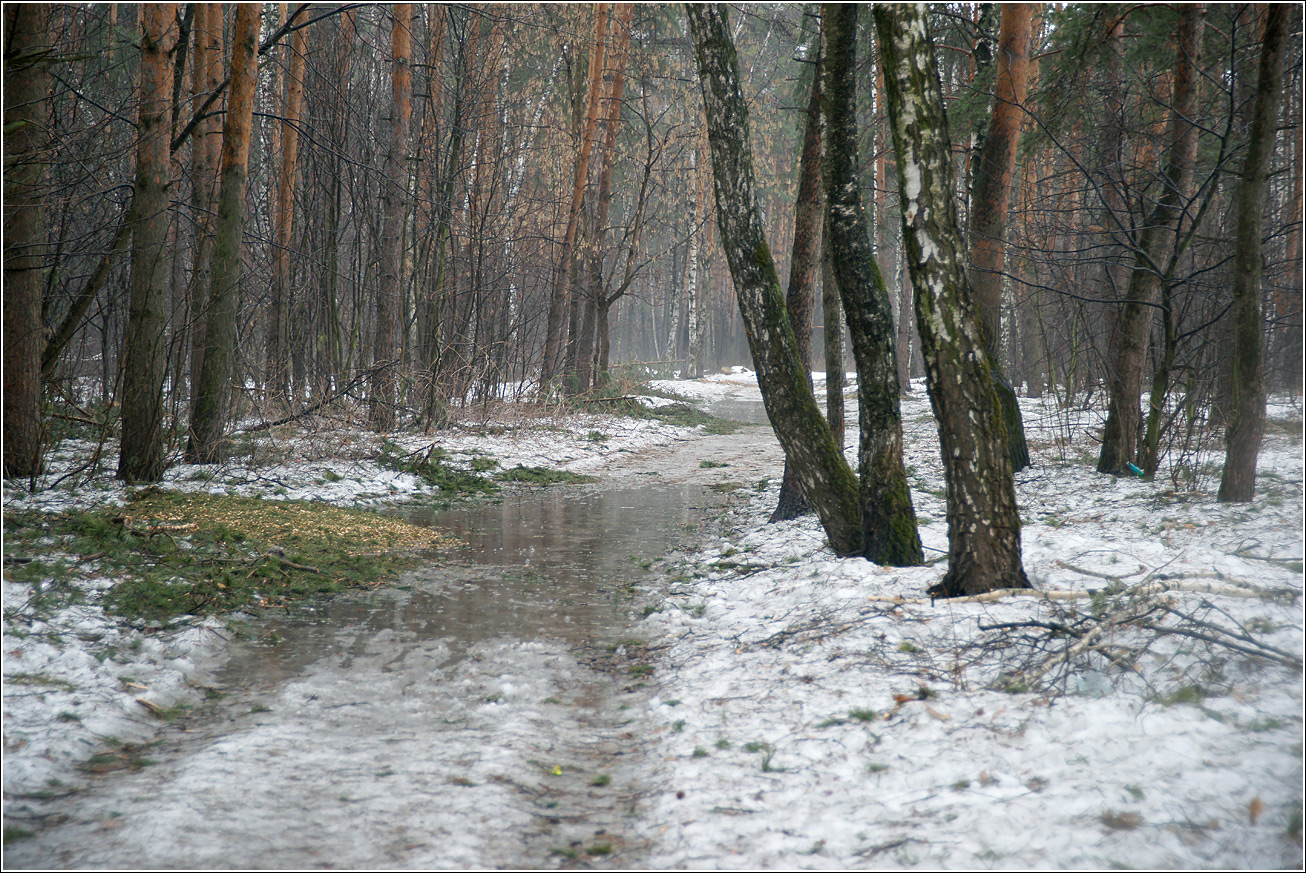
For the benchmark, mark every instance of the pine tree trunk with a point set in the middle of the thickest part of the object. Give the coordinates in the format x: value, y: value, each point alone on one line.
x: 26, y: 107
x: 215, y: 376
x: 556, y: 332
x: 278, y: 339
x: 206, y: 144
x: 1246, y: 424
x: 595, y: 323
x: 983, y: 522
x: 140, y: 457
x: 990, y: 198
x: 1120, y: 435
x: 786, y: 390
x: 888, y: 517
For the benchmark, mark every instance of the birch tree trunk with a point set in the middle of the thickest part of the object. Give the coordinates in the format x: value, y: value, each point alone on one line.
x: 983, y: 522
x: 786, y: 390
x: 140, y: 457
x: 803, y: 262
x: 214, y: 383
x: 888, y: 517
x: 1246, y: 424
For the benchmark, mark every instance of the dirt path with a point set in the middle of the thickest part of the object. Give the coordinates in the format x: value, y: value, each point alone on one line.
x: 368, y: 734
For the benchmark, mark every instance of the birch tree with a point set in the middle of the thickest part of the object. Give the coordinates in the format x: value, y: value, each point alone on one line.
x: 786, y: 389
x: 983, y: 522
x: 888, y: 517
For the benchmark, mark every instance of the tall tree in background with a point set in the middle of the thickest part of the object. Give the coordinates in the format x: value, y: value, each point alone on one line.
x: 888, y: 517
x: 983, y: 521
x: 1120, y: 435
x: 394, y: 183
x: 1246, y: 423
x: 214, y: 382
x: 140, y: 457
x: 989, y: 204
x: 205, y: 152
x: 786, y: 390
x: 585, y: 347
x: 26, y: 110
x: 278, y: 351
x: 556, y: 338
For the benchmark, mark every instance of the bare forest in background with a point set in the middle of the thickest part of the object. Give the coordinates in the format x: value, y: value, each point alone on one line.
x: 220, y: 214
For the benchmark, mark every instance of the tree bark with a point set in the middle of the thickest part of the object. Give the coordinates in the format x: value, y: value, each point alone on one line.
x: 140, y: 457
x: 206, y: 145
x: 1246, y: 425
x: 214, y: 384
x: 27, y: 133
x: 278, y: 338
x: 983, y: 522
x: 1120, y: 435
x: 803, y: 262
x: 385, y: 348
x: 989, y: 202
x: 555, y: 338
x: 595, y: 310
x: 786, y: 391
x: 832, y: 331
x: 888, y: 517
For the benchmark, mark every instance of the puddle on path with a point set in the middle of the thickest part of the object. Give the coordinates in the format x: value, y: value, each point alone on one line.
x: 443, y: 723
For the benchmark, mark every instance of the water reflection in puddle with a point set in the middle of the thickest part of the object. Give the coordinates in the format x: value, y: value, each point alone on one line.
x: 557, y: 565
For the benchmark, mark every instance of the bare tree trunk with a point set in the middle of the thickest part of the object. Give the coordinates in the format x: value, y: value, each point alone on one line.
x: 888, y: 517
x: 595, y: 311
x: 1246, y: 423
x: 803, y: 262
x: 1120, y: 436
x: 214, y: 383
x: 786, y: 390
x: 141, y: 458
x: 832, y: 330
x: 983, y: 522
x: 990, y: 199
x: 206, y: 143
x: 278, y: 351
x: 27, y: 132
x: 554, y: 339
x: 382, y: 397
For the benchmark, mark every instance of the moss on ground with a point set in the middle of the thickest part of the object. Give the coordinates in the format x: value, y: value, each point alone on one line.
x: 173, y: 554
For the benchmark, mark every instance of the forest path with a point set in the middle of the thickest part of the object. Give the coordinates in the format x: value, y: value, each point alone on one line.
x: 488, y: 715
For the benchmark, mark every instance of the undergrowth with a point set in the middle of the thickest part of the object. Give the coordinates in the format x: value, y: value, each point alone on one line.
x: 173, y: 554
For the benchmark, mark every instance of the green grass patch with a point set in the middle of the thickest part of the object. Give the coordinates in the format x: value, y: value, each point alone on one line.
x: 197, y: 554
x: 542, y: 476
x: 429, y: 466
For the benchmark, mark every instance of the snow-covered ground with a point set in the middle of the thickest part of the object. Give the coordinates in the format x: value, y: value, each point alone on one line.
x: 821, y: 713
x: 813, y: 712
x: 76, y: 679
